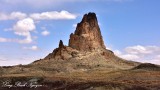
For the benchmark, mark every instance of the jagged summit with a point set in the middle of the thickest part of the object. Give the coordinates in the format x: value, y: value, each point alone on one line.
x: 87, y: 35
x: 90, y: 17
x: 62, y: 52
x: 61, y: 44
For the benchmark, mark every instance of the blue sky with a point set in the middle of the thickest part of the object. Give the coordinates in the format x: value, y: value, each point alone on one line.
x: 30, y: 29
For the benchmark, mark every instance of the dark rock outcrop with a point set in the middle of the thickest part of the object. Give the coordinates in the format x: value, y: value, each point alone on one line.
x: 87, y: 35
x: 62, y: 52
x: 61, y: 44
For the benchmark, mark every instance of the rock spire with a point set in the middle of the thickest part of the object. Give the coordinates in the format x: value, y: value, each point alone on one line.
x: 87, y: 35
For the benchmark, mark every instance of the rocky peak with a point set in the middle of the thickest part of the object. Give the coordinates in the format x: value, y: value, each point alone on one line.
x: 61, y: 44
x: 90, y: 18
x: 62, y: 52
x: 87, y: 35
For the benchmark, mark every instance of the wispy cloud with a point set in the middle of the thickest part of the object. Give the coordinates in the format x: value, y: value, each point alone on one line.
x: 16, y: 40
x: 34, y: 48
x: 45, y: 33
x: 3, y: 39
x: 140, y: 53
x: 12, y: 16
x: 53, y: 15
x: 49, y: 15
x: 142, y: 49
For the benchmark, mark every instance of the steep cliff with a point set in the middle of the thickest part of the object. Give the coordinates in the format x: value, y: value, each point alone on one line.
x: 87, y: 35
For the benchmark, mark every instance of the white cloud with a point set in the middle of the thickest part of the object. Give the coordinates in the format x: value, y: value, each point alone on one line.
x: 18, y: 15
x: 126, y: 55
x: 27, y: 40
x: 26, y: 24
x: 3, y: 39
x: 50, y: 15
x: 22, y: 41
x: 53, y: 15
x: 23, y: 28
x: 150, y: 54
x: 34, y: 48
x: 117, y: 52
x: 8, y: 40
x: 45, y: 33
x: 130, y: 56
x: 12, y: 16
x: 142, y: 49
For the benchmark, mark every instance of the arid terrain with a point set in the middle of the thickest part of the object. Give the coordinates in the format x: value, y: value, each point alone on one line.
x: 83, y: 64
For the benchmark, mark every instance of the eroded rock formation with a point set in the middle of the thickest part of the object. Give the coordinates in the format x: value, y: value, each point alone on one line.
x: 87, y: 35
x: 62, y: 52
x: 86, y: 38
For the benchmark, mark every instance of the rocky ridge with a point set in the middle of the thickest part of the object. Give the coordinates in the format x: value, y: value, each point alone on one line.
x: 62, y: 52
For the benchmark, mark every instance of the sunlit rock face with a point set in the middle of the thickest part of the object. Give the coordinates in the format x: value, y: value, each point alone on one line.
x: 87, y: 35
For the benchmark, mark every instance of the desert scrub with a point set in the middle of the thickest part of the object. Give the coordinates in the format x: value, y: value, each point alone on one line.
x: 1, y: 72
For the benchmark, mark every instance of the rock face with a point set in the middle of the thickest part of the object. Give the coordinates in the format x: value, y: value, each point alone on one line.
x: 87, y: 35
